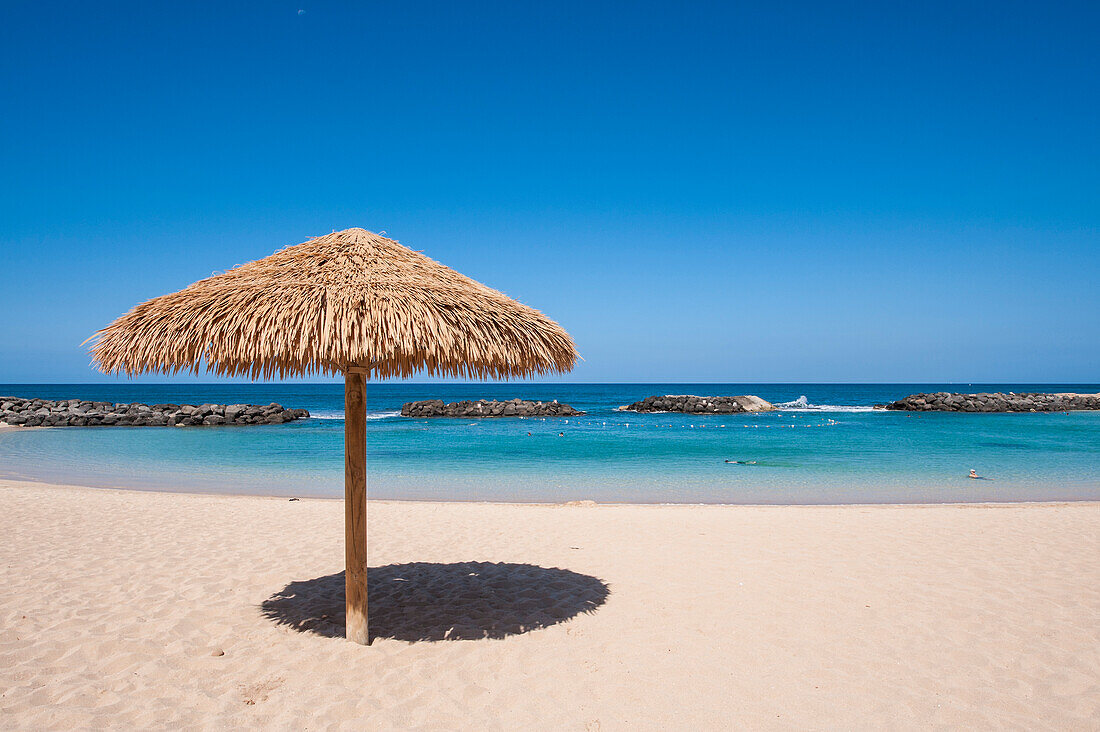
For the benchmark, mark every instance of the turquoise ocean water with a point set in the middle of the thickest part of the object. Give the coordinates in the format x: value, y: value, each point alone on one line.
x: 825, y: 445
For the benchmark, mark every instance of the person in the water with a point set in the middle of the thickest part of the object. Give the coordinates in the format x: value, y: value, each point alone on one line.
x: 741, y: 462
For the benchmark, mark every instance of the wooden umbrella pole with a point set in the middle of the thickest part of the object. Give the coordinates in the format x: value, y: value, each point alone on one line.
x: 355, y: 506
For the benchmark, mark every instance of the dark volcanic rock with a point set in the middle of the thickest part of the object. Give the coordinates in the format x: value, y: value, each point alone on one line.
x: 76, y: 413
x: 1030, y: 402
x: 482, y: 408
x: 701, y: 405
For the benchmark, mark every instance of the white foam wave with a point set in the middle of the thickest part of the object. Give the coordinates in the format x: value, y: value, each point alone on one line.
x: 334, y: 414
x: 384, y: 415
x: 802, y: 404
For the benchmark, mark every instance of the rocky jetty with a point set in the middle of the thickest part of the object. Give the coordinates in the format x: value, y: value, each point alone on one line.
x: 482, y: 408
x: 700, y: 404
x: 998, y: 402
x: 83, y: 413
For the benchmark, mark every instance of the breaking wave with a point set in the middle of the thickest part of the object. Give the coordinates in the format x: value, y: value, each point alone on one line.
x: 339, y: 414
x: 802, y: 404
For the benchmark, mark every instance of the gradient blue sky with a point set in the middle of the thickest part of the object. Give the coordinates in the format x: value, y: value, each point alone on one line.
x: 733, y: 192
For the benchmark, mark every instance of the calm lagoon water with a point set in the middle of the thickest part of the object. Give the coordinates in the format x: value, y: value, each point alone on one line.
x: 826, y: 445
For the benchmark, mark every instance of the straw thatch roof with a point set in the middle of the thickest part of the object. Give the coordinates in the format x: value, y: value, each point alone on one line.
x: 351, y: 299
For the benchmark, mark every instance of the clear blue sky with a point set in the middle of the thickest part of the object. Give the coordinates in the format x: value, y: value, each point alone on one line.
x: 736, y: 192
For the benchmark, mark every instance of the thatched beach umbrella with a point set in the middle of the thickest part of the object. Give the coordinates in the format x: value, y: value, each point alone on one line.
x: 352, y: 303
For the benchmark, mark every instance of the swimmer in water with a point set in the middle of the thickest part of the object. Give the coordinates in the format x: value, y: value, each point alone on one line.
x: 741, y: 462
x: 561, y: 434
x: 973, y: 474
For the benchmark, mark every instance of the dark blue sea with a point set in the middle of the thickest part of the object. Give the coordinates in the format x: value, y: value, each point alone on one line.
x: 825, y: 445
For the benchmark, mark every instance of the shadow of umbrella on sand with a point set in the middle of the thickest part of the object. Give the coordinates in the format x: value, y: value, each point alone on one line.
x: 352, y: 303
x: 426, y: 601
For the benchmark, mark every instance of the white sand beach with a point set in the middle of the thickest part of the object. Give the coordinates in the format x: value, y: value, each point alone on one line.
x: 127, y: 610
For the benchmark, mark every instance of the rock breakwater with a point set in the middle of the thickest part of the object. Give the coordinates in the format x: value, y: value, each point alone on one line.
x: 701, y: 404
x: 82, y: 413
x: 483, y: 408
x: 996, y: 402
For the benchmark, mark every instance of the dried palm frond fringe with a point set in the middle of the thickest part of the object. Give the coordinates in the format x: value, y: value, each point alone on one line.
x: 348, y: 300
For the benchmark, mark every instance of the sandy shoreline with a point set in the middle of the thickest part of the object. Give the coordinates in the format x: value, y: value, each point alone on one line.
x: 599, y: 617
